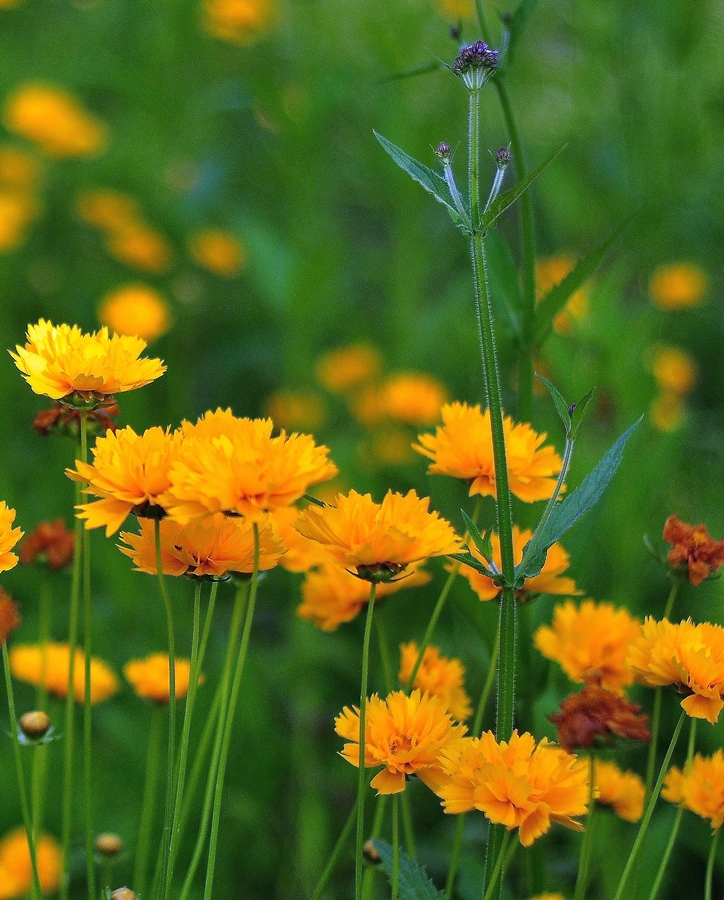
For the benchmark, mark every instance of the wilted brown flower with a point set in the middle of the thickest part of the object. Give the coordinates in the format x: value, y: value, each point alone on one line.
x: 63, y: 420
x: 694, y: 548
x: 9, y: 618
x: 50, y: 544
x: 596, y: 717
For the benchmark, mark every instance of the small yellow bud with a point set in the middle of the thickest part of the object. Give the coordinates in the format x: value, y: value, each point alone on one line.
x: 34, y: 725
x: 108, y: 845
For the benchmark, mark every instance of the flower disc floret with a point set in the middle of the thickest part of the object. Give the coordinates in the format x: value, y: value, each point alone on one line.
x: 9, y: 537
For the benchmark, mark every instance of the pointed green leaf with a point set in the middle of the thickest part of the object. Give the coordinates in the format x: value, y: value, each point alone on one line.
x: 413, y: 883
x: 482, y: 542
x: 562, y: 408
x: 424, y: 69
x: 579, y: 413
x: 467, y: 559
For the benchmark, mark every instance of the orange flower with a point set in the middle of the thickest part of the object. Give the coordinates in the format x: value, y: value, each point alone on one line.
x: 547, y: 581
x: 379, y: 540
x: 135, y: 309
x: 403, y: 734
x: 140, y: 247
x: 215, y: 547
x: 623, y: 791
x: 294, y: 410
x: 667, y: 411
x: 411, y: 398
x: 16, y: 873
x: 238, y: 21
x: 302, y: 554
x: 58, y: 361
x: 438, y: 676
x: 674, y: 370
x: 550, y: 272
x: 9, y: 537
x: 346, y: 368
x: 596, y: 717
x: 50, y: 544
x: 456, y: 9
x: 9, y: 617
x: 516, y: 783
x: 48, y: 665
x: 678, y: 286
x: 462, y: 447
x: 694, y: 549
x: 17, y: 211
x: 150, y: 678
x: 590, y: 642
x: 218, y: 251
x: 106, y: 209
x: 701, y: 789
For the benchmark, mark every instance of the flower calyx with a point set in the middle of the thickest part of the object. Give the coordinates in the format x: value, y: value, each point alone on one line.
x: 475, y: 64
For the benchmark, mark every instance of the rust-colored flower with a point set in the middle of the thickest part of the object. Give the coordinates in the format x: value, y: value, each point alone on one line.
x: 693, y: 549
x: 48, y: 665
x: 9, y: 537
x: 438, y: 676
x: 598, y: 718
x: 16, y: 872
x: 622, y: 791
x: 65, y: 420
x: 50, y: 544
x: 9, y: 616
x: 218, y: 251
x: 135, y: 309
x: 403, y: 734
x: 678, y: 286
x: 700, y: 789
x: 150, y: 678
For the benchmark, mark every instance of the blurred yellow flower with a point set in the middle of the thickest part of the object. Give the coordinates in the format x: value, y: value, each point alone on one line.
x: 622, y: 791
x: 54, y: 120
x: 549, y: 273
x: 218, y: 251
x: 590, y: 642
x: 700, y: 789
x: 346, y: 368
x: 140, y: 247
x: 150, y: 678
x: 135, y: 309
x: 107, y: 209
x: 9, y: 537
x: 389, y: 446
x: 48, y: 665
x: 238, y: 21
x: 456, y: 9
x: 411, y: 398
x: 438, y: 676
x: 667, y: 411
x: 17, y: 211
x: 295, y: 410
x: 19, y: 170
x: 403, y: 734
x: 678, y: 286
x: 674, y: 370
x: 462, y: 447
x: 16, y: 873
x: 61, y: 360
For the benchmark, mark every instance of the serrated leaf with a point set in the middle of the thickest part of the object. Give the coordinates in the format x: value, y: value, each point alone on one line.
x: 413, y: 882
x: 562, y: 408
x: 481, y: 541
x: 467, y: 559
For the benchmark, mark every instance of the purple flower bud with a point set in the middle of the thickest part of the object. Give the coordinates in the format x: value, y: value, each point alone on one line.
x: 503, y: 157
x: 443, y: 151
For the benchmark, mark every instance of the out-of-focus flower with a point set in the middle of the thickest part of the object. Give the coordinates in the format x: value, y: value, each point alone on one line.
x: 547, y: 581
x: 456, y: 9
x: 238, y: 21
x: 550, y: 272
x: 218, y: 251
x: 295, y: 410
x: 622, y: 791
x: 674, y: 370
x: 701, y: 789
x: 150, y: 678
x: 19, y: 170
x: 690, y: 657
x: 347, y: 368
x: 411, y: 398
x: 135, y: 309
x: 212, y: 547
x: 598, y: 718
x: 667, y: 411
x: 516, y: 783
x: 17, y: 211
x: 9, y: 616
x: 462, y: 447
x: 140, y: 247
x: 54, y: 120
x: 9, y: 537
x: 107, y: 209
x: 61, y: 360
x: 302, y: 554
x: 438, y: 676
x: 48, y: 666
x: 678, y: 286
x: 403, y: 734
x: 50, y: 544
x: 590, y: 642
x: 16, y: 872
x: 379, y: 540
x: 331, y: 595
x: 693, y: 550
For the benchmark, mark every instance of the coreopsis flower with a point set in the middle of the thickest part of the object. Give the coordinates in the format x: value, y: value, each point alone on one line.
x: 456, y: 9
x: 412, y: 398
x: 54, y: 120
x: 9, y: 537
x: 678, y: 286
x: 235, y: 466
x: 667, y: 411
x: 379, y: 540
x: 295, y: 410
x: 623, y: 791
x: 150, y: 678
x: 332, y: 596
x: 590, y: 642
x: 674, y: 370
x: 19, y: 170
x: 129, y: 473
x: 213, y: 547
x: 17, y: 211
x: 693, y: 550
x: 547, y: 581
x: 135, y: 309
x: 238, y: 21
x: 16, y: 872
x: 404, y: 734
x: 347, y: 368
x: 687, y: 656
x: 50, y: 544
x: 301, y: 553
x: 516, y: 783
x: 48, y: 666
x: 700, y: 789
x: 598, y: 718
x: 9, y: 616
x: 550, y: 272
x: 438, y: 676
x: 462, y: 447
x: 140, y: 247
x: 218, y: 251
x: 107, y: 209
x: 61, y: 361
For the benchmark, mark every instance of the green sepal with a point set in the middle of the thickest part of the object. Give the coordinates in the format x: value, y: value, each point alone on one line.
x: 481, y: 541
x: 413, y: 882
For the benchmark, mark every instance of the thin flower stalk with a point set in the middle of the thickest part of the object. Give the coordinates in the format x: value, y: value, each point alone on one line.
x: 87, y: 700
x: 40, y: 753
x: 148, y: 803
x: 377, y: 823
x: 498, y: 869
x: 339, y: 846
x: 710, y: 865
x: 395, y: 845
x: 585, y: 854
x: 361, y: 779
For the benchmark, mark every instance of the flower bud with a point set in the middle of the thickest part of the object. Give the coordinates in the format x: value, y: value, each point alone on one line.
x: 34, y: 725
x: 123, y: 893
x: 475, y: 64
x: 443, y: 152
x: 370, y: 854
x: 109, y: 845
x: 502, y: 158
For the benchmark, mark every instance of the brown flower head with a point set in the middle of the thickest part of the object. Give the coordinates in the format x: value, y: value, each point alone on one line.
x: 51, y: 544
x: 596, y: 718
x: 64, y: 420
x: 9, y: 618
x: 694, y: 549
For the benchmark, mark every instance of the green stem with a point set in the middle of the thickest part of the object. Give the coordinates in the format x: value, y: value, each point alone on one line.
x: 148, y: 803
x: 655, y: 725
x: 672, y: 597
x: 710, y: 865
x: 487, y: 687
x: 336, y: 853
x: 455, y: 856
x: 361, y: 785
x: 40, y: 752
x: 498, y: 870
x: 395, y: 845
x: 377, y: 823
x: 585, y: 855
x: 384, y: 646
x: 407, y: 825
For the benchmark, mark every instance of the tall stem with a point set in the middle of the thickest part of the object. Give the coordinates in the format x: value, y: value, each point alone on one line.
x: 710, y: 865
x: 148, y: 804
x: 361, y: 780
x: 585, y: 855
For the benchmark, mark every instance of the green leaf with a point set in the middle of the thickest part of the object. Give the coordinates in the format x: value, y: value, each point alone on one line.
x: 424, y: 69
x: 504, y: 279
x: 566, y: 513
x: 517, y: 26
x: 467, y: 559
x: 413, y: 882
x: 579, y: 413
x: 562, y: 408
x: 482, y: 542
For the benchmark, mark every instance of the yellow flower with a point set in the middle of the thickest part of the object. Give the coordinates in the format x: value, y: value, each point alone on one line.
x: 389, y: 446
x: 346, y: 368
x: 135, y: 309
x: 140, y: 247
x: 48, y: 665
x: 61, y: 360
x: 674, y: 370
x: 214, y: 546
x: 591, y: 642
x: 547, y: 581
x: 235, y: 466
x: 623, y: 791
x: 302, y: 554
x: 17, y: 211
x: 9, y: 537
x: 332, y: 596
x: 411, y: 398
x: 295, y: 410
x: 516, y: 783
x: 238, y: 21
x: 456, y: 9
x: 701, y: 789
x: 549, y: 273
x: 218, y: 251
x: 379, y: 540
x: 16, y: 873
x: 150, y: 677
x: 438, y: 676
x: 687, y: 656
x: 667, y: 411
x: 18, y: 170
x: 678, y: 286
x: 129, y: 473
x: 53, y: 119
x: 462, y: 447
x: 403, y: 734
x: 106, y: 209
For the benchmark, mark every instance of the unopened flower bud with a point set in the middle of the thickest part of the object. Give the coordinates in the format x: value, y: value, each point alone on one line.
x: 109, y: 845
x: 443, y: 151
x: 34, y: 725
x: 455, y: 32
x: 475, y: 64
x: 503, y: 157
x: 123, y: 893
x: 370, y: 854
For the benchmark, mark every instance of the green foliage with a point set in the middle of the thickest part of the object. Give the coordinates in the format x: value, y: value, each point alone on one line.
x: 414, y: 883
